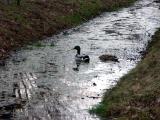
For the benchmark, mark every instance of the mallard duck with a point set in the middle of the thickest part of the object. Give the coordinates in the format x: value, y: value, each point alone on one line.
x: 105, y: 58
x: 79, y: 58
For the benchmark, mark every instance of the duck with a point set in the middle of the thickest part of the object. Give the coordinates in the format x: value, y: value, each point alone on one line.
x: 105, y: 58
x: 79, y: 58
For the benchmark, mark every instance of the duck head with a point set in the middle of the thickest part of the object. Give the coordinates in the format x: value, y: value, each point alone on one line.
x: 78, y: 49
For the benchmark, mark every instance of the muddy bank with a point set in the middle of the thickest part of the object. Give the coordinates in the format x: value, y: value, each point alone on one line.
x: 137, y: 94
x: 34, y: 20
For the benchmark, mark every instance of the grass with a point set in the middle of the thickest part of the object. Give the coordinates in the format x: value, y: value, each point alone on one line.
x: 86, y: 10
x: 137, y: 94
x: 35, y: 19
x: 38, y: 45
x: 91, y: 8
x: 118, y: 4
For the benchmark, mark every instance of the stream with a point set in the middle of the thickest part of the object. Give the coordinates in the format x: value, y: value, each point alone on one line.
x: 38, y: 81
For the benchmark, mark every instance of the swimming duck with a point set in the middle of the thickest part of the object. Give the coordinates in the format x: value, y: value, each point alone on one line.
x: 80, y: 58
x: 105, y: 58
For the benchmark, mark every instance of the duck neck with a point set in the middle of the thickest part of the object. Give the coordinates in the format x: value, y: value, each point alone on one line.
x: 78, y: 51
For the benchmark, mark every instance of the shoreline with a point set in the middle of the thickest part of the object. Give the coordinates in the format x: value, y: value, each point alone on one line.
x: 137, y: 94
x: 35, y: 20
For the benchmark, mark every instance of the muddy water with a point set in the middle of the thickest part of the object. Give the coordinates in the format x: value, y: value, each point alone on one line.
x: 39, y: 83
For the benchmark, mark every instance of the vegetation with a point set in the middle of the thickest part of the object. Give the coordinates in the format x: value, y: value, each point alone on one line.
x: 137, y: 94
x: 30, y: 20
x: 18, y: 2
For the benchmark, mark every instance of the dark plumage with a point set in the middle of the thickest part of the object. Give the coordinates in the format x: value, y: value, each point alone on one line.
x: 79, y: 57
x: 105, y: 58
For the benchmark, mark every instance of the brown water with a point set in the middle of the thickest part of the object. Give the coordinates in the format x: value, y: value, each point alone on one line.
x: 38, y: 82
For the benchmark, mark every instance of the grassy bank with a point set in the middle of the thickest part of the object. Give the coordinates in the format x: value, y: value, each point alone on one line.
x: 137, y: 94
x: 34, y: 19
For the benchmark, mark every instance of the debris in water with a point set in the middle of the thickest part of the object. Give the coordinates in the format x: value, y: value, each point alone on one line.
x: 94, y: 84
x: 105, y: 58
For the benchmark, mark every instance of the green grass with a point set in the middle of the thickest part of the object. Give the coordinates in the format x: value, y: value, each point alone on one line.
x: 87, y: 10
x: 35, y: 19
x: 38, y: 44
x: 115, y: 5
x: 91, y: 8
x: 137, y: 94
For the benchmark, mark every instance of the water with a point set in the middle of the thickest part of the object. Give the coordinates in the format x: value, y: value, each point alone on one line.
x: 39, y: 83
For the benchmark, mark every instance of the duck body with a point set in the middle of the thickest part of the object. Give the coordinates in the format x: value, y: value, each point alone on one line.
x: 81, y: 57
x: 105, y: 58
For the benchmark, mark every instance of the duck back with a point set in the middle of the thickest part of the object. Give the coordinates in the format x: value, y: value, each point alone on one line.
x: 82, y: 58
